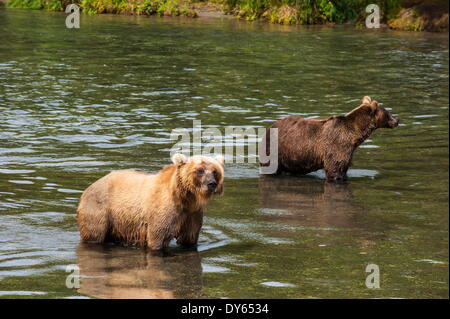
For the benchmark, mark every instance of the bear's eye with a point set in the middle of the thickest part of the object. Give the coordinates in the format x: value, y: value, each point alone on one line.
x: 215, y: 173
x: 200, y: 171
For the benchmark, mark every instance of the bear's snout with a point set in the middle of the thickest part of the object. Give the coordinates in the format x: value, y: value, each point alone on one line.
x: 393, y: 121
x: 212, y: 186
x: 211, y: 182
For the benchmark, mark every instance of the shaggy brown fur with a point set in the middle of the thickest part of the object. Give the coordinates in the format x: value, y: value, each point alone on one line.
x: 142, y: 209
x: 306, y: 145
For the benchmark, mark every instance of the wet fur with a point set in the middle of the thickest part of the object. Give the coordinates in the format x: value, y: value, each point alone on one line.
x: 307, y: 145
x: 142, y: 209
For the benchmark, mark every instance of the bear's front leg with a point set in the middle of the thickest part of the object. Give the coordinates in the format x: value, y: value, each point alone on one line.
x: 336, y: 172
x: 189, y: 231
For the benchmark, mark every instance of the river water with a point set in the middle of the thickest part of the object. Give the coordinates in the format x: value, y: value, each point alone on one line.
x: 76, y: 104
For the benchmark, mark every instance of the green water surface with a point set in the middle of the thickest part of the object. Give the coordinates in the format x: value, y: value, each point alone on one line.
x: 76, y: 104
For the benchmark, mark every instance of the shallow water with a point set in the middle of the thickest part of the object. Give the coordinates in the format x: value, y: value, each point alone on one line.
x: 76, y: 104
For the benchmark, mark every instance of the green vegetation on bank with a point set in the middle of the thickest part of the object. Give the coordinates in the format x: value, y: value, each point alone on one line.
x: 51, y: 5
x: 414, y: 15
x: 139, y: 7
x: 276, y: 11
x: 310, y: 11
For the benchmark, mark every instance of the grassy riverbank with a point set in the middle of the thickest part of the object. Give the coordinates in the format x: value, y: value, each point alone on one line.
x: 309, y: 11
x: 139, y: 7
x: 413, y: 15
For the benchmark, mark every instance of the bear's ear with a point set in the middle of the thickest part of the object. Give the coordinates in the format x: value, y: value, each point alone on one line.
x: 366, y: 100
x: 373, y: 106
x: 179, y: 159
x: 220, y: 159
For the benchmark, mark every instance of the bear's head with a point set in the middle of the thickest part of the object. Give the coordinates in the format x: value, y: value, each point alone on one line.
x: 381, y: 118
x: 201, y: 174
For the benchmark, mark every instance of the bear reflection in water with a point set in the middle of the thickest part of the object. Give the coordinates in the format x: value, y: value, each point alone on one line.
x: 311, y: 203
x: 110, y: 271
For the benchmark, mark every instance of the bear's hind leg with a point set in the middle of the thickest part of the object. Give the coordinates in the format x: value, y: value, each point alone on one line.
x: 157, y: 241
x: 159, y: 233
x: 93, y: 220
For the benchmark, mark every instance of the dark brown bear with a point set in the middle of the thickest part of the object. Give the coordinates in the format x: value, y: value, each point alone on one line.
x: 306, y: 145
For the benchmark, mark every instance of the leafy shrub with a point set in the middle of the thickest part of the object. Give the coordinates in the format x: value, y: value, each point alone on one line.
x: 148, y: 7
x: 310, y: 11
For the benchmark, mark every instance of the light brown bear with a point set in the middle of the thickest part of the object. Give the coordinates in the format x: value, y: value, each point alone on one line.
x: 142, y: 209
